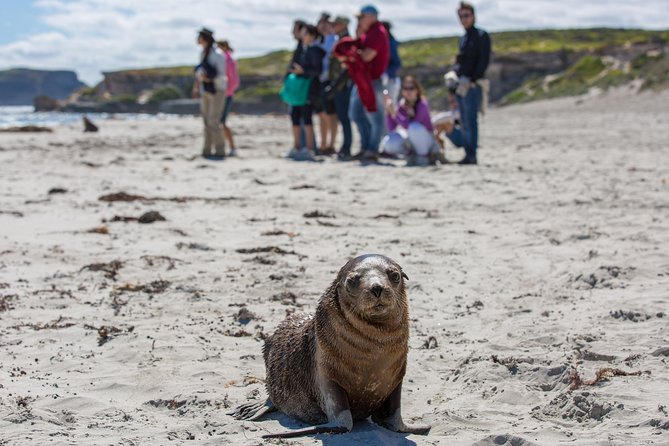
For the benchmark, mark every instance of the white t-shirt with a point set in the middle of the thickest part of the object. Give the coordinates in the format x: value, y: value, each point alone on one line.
x: 216, y: 59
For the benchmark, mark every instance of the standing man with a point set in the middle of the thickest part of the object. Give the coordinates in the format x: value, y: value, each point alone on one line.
x: 342, y: 85
x: 394, y: 65
x: 326, y: 109
x: 471, y: 64
x: 375, y: 53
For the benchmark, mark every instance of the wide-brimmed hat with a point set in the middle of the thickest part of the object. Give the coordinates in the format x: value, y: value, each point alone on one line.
x: 206, y: 32
x: 342, y: 19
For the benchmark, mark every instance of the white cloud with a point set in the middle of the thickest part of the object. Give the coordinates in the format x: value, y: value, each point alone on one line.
x: 91, y: 36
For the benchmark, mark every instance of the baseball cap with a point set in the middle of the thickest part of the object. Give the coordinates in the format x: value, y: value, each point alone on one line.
x: 368, y: 9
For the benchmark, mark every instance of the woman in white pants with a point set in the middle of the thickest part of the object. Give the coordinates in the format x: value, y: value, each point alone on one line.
x: 409, y: 124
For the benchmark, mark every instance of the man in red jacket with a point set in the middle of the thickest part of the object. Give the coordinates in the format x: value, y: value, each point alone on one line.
x: 375, y: 53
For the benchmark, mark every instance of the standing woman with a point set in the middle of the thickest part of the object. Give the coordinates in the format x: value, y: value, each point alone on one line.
x: 233, y: 84
x: 210, y: 85
x: 309, y: 65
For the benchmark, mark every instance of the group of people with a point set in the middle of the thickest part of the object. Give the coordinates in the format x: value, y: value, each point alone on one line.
x: 345, y: 80
x: 351, y: 80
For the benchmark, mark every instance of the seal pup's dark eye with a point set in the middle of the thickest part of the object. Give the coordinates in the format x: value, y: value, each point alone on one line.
x: 395, y: 276
x: 352, y: 282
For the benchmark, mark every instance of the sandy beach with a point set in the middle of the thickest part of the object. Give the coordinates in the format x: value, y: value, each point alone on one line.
x: 528, y: 274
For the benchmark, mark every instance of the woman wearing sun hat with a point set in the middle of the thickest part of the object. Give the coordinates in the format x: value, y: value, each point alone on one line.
x: 210, y: 85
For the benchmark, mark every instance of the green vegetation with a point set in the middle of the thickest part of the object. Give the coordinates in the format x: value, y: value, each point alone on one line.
x: 592, y: 71
x: 441, y: 51
x: 180, y: 71
x: 260, y: 91
x: 429, y: 52
x: 551, y: 40
x: 577, y: 80
x: 88, y: 93
x: 165, y: 94
x: 653, y: 68
x: 271, y: 64
x: 124, y: 99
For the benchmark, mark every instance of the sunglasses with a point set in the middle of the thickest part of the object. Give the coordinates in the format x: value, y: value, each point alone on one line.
x: 409, y: 88
x: 465, y: 15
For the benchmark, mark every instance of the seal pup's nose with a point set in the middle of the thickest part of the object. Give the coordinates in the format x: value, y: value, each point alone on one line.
x: 376, y: 290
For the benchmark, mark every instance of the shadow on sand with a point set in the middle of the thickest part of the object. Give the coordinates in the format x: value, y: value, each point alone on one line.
x: 364, y: 432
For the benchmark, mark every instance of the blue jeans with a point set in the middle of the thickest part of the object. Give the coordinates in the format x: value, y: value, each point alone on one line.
x: 457, y: 137
x: 371, y: 125
x: 342, y: 101
x: 226, y: 109
x: 469, y: 113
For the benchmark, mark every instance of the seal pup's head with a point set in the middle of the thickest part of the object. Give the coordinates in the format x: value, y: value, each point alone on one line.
x: 372, y: 288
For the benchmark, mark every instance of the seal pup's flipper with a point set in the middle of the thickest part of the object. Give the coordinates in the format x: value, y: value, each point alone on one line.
x: 253, y: 411
x: 390, y: 416
x: 337, y: 409
x: 329, y: 428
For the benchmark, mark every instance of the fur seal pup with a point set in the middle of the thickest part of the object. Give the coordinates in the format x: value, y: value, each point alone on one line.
x: 346, y: 362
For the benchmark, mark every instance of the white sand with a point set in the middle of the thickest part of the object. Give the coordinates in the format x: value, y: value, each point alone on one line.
x: 524, y: 257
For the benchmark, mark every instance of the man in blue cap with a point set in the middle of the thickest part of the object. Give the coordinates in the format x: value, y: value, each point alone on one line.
x: 375, y: 53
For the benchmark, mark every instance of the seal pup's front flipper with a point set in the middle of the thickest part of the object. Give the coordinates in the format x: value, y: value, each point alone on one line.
x: 336, y: 407
x: 329, y: 428
x: 253, y: 411
x: 390, y: 415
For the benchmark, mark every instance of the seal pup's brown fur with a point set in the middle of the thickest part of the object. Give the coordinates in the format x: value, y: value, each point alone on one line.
x: 347, y: 362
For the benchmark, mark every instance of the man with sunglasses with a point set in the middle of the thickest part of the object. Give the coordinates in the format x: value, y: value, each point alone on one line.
x: 471, y: 64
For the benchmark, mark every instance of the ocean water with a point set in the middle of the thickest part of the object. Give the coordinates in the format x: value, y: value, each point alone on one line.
x: 15, y: 116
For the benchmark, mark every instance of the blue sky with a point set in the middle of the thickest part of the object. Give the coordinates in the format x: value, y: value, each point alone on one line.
x: 17, y: 20
x: 92, y: 36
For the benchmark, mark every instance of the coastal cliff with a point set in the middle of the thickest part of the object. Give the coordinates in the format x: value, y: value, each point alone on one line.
x: 20, y: 86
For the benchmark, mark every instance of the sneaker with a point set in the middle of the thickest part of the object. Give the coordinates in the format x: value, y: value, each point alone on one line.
x: 233, y: 152
x: 304, y: 154
x: 293, y: 154
x: 392, y: 156
x: 214, y: 157
x: 437, y: 158
x: 341, y: 156
x: 468, y: 162
x: 328, y: 151
x: 369, y: 157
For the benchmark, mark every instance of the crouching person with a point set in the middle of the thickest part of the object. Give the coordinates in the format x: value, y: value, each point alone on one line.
x: 409, y: 126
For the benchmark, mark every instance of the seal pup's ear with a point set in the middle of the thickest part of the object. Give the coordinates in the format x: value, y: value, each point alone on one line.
x: 405, y: 275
